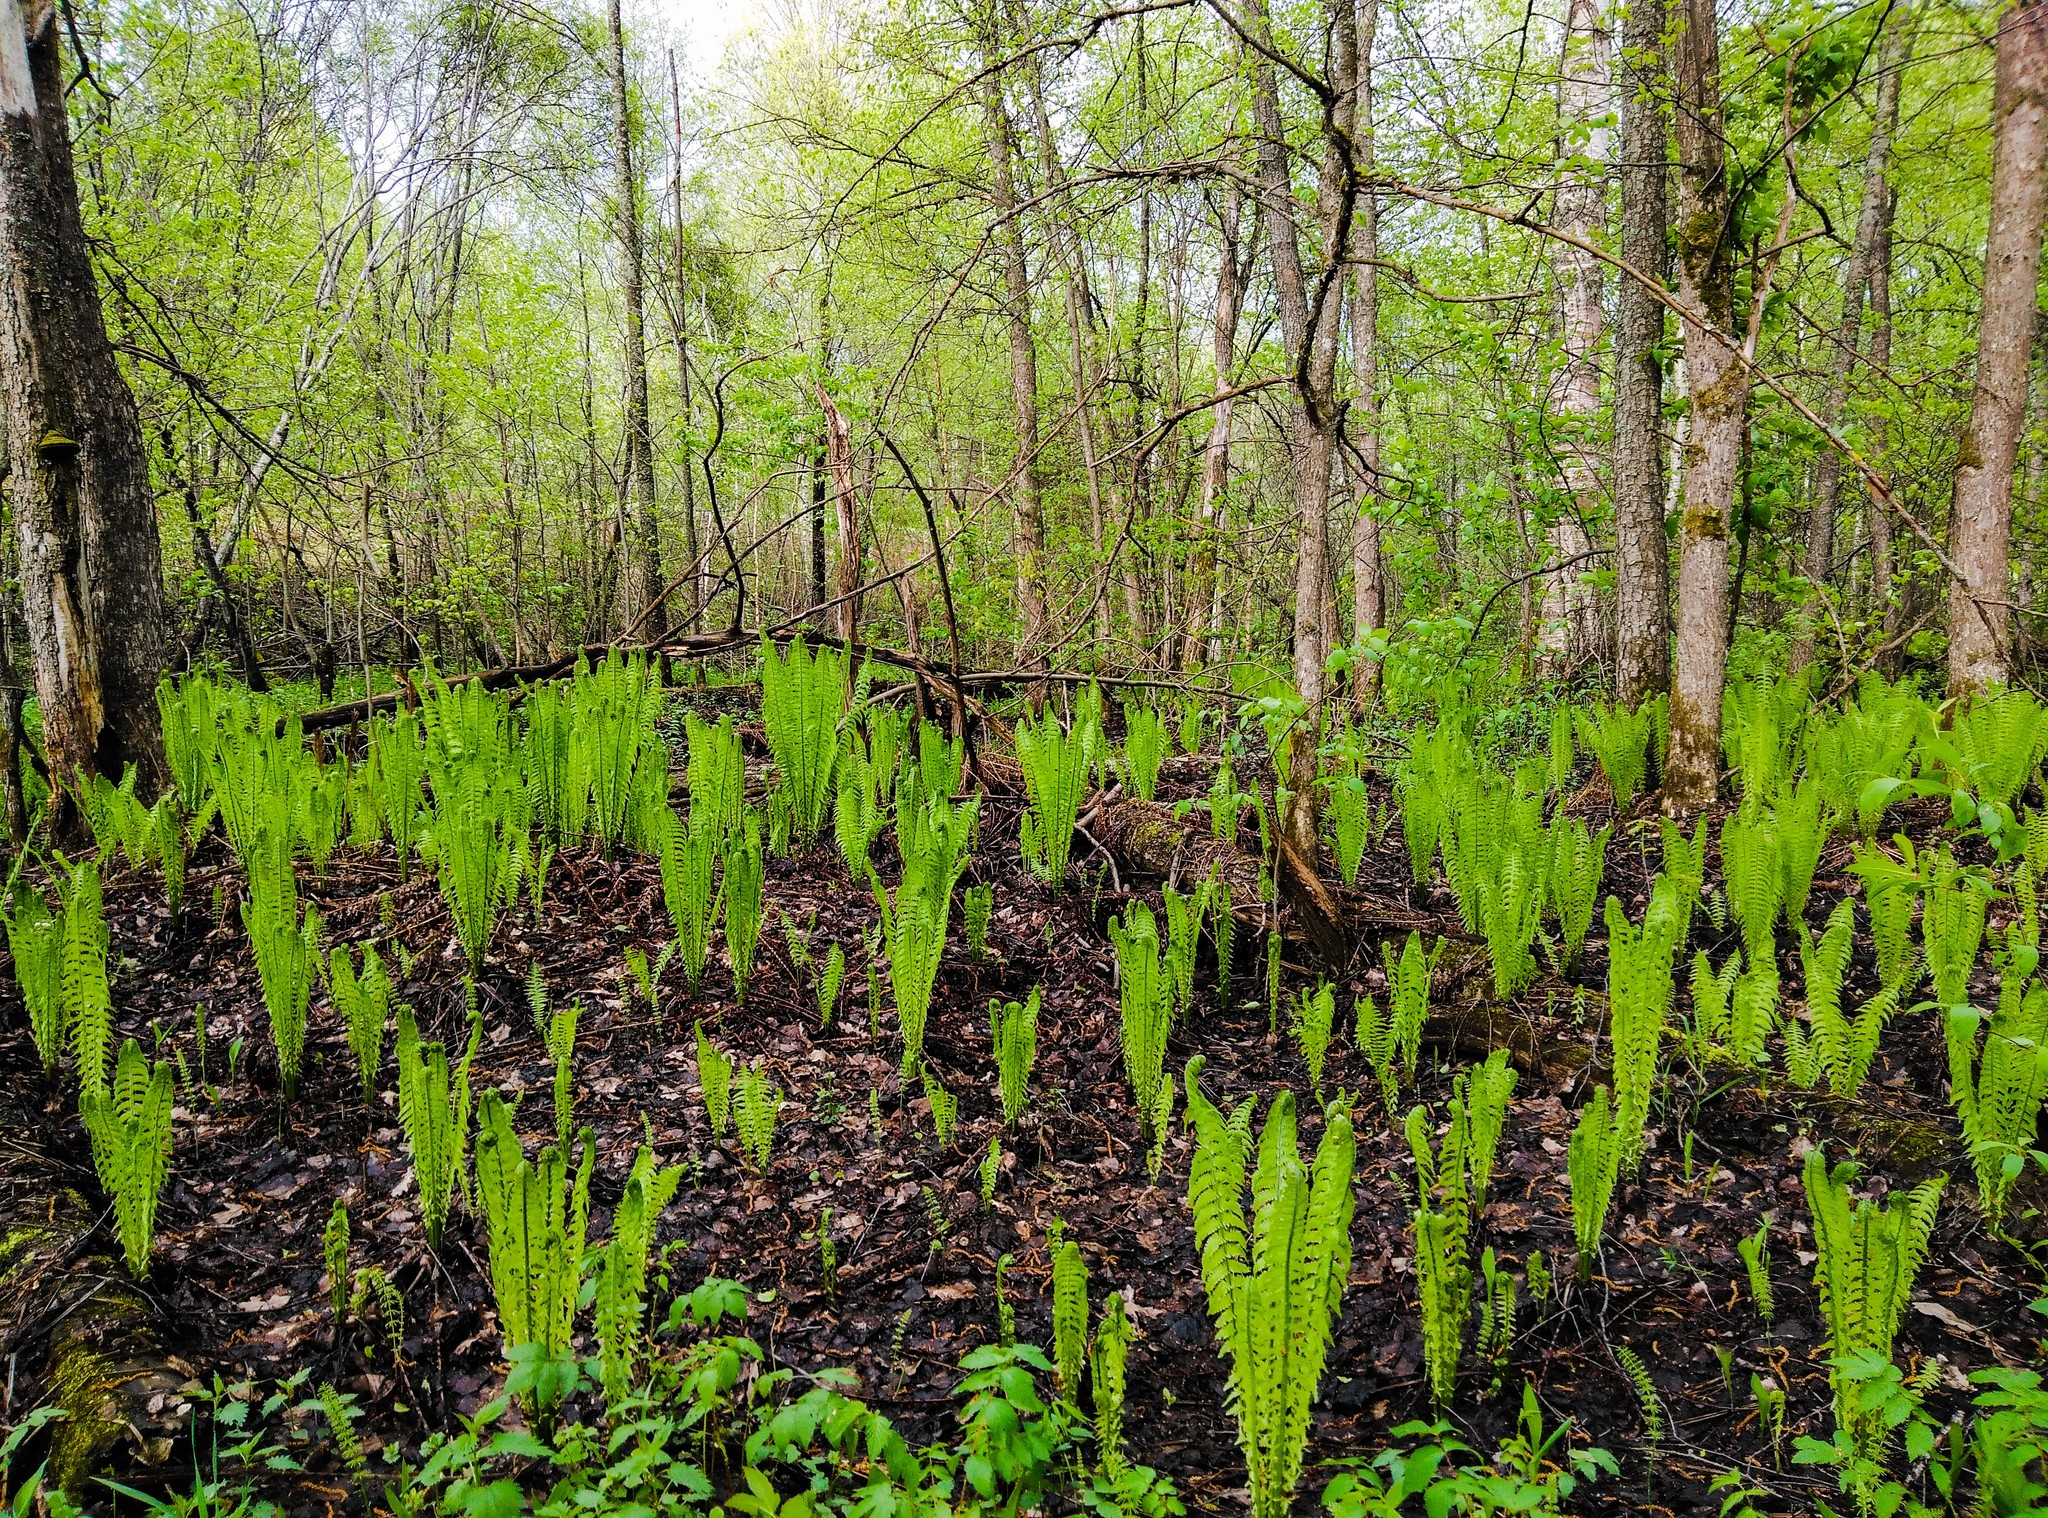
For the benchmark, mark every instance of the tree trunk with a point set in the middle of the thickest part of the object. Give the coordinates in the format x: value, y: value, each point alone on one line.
x: 1569, y: 623
x: 1871, y: 213
x: 1029, y: 534
x: 1878, y: 519
x: 85, y: 517
x: 645, y: 530
x: 1642, y: 616
x: 1719, y: 391
x: 1202, y: 601
x: 1979, y: 618
x: 1368, y: 593
x: 689, y: 598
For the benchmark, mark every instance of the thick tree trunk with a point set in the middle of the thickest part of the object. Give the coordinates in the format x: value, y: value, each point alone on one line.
x: 1719, y: 391
x: 78, y: 475
x: 1979, y: 618
x: 1870, y: 216
x: 1368, y: 593
x: 1642, y: 616
x: 1203, y: 602
x: 1028, y: 539
x: 644, y: 585
x: 1569, y: 625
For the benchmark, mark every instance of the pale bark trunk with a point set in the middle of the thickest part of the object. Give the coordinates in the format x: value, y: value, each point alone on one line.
x: 1028, y: 539
x: 1569, y: 627
x: 1719, y: 391
x: 1871, y: 213
x: 1368, y: 593
x: 839, y: 460
x: 1875, y: 515
x: 688, y: 595
x: 1203, y: 602
x: 1642, y: 637
x: 85, y: 517
x: 645, y: 529
x: 1979, y: 620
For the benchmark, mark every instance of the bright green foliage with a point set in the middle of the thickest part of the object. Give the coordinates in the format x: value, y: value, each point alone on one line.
x: 35, y: 937
x: 119, y: 822
x: 433, y: 1109
x: 1685, y: 866
x: 717, y: 774
x: 755, y: 1105
x: 1057, y: 765
x: 1998, y: 1089
x: 689, y: 889
x: 1222, y: 929
x: 915, y: 915
x: 1890, y: 890
x: 1485, y: 1092
x: 536, y: 1218
x: 1106, y: 1368
x: 189, y: 712
x: 1802, y: 832
x: 1144, y: 748
x: 1753, y: 873
x: 803, y: 697
x: 830, y: 979
x: 858, y: 816
x: 1274, y: 1279
x: 991, y: 1168
x: 1578, y: 863
x: 1844, y: 1046
x: 1497, y: 1316
x: 1223, y: 803
x: 1563, y: 756
x: 88, y: 1000
x: 977, y: 906
x: 1759, y: 720
x: 130, y: 1129
x: 622, y: 1271
x: 334, y: 1253
x: 1756, y: 1263
x: 1998, y: 744
x: 364, y: 1002
x: 1952, y: 930
x: 945, y: 1107
x: 1069, y: 1317
x: 398, y: 762
x: 592, y: 753
x: 1345, y: 807
x: 744, y: 874
x: 714, y: 1078
x: 1620, y: 741
x: 1593, y: 1164
x: 562, y: 1055
x: 1869, y: 1256
x: 1013, y: 1027
x: 940, y: 761
x: 1733, y: 1011
x: 1147, y: 1003
x: 1408, y: 980
x: 1184, y: 916
x: 1443, y: 1221
x: 1313, y: 1013
x: 1872, y: 739
x: 1510, y: 910
x: 1422, y: 793
x: 168, y: 824
x: 287, y: 954
x: 1638, y: 1008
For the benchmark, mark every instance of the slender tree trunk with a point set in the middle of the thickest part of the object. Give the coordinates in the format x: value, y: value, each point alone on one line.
x: 1642, y: 626
x: 1871, y: 214
x: 689, y: 597
x: 1368, y: 591
x: 1028, y: 539
x: 1203, y: 603
x: 1878, y: 519
x: 1569, y: 629
x: 1719, y: 392
x: 78, y: 474
x: 645, y: 529
x: 1979, y: 618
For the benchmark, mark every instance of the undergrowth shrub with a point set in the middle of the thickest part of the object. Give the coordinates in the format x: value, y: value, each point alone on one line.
x: 803, y: 696
x: 1057, y: 764
x: 129, y: 1127
x: 433, y: 1110
x: 1013, y: 1028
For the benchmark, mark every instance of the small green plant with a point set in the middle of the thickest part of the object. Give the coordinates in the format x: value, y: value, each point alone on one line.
x: 1069, y: 1317
x: 1756, y: 1264
x: 622, y: 1271
x: 1952, y: 929
x: 1144, y: 748
x: 830, y: 980
x: 803, y: 697
x: 433, y: 1109
x: 1802, y: 827
x: 859, y: 815
x: 689, y: 880
x: 287, y: 954
x: 991, y: 1168
x: 130, y: 1129
x: 1639, y: 974
x: 1057, y: 764
x: 1443, y: 1220
x: 717, y: 775
x: 1184, y: 916
x: 35, y: 937
x: 1013, y: 1028
x: 1998, y: 1079
x: 1510, y: 901
x: 1754, y: 877
x: 1497, y: 1305
x: 977, y: 906
x: 364, y: 1002
x: 1578, y: 863
x: 334, y: 1253
x: 1147, y: 1002
x: 1647, y: 1401
x: 1299, y: 1232
x: 744, y: 874
x: 755, y: 1105
x: 714, y: 1079
x: 932, y: 837
x: 88, y: 999
x: 828, y: 1255
x: 1620, y: 741
x: 1594, y: 1162
x: 1769, y: 1398
x: 945, y: 1106
x: 1313, y: 1013
x: 1485, y: 1091
x: 1890, y: 892
x: 1107, y: 1367
x: 1273, y: 967
x: 1843, y: 1046
x: 562, y: 1055
x: 1345, y: 807
x: 1537, y: 1273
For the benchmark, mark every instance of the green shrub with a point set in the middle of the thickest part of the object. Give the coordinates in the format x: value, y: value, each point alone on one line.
x: 1013, y: 1028
x: 803, y: 697
x: 1057, y: 765
x: 1144, y: 748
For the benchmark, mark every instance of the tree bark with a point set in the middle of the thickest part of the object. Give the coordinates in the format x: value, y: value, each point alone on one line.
x: 1368, y: 592
x: 1979, y: 618
x: 1871, y: 213
x: 1203, y: 603
x: 1028, y: 538
x: 1876, y: 516
x: 1642, y: 625
x: 1719, y: 393
x: 689, y: 598
x: 1568, y: 629
x: 645, y: 529
x: 78, y: 474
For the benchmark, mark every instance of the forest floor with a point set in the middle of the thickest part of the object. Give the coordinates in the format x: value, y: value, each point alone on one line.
x: 238, y: 1279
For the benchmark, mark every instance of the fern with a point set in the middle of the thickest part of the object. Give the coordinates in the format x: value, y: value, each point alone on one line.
x: 1952, y: 930
x: 717, y: 774
x: 1563, y: 756
x: 991, y: 1168
x: 365, y: 1005
x: 714, y: 1079
x: 689, y: 880
x: 1593, y: 1164
x: 914, y: 921
x: 1497, y: 1316
x: 35, y: 939
x: 830, y: 979
x: 1998, y: 1089
x: 1647, y: 1400
x: 562, y: 1055
x: 1844, y: 1046
x: 479, y: 831
x: 1753, y: 873
x: 1802, y: 830
x: 1578, y: 863
x: 1344, y: 805
x: 334, y: 1253
x: 432, y: 1109
x: 1069, y: 1317
x: 857, y: 816
x: 1222, y: 928
x: 802, y: 699
x: 1313, y: 1013
x: 88, y: 1000
x: 744, y: 875
x: 1756, y: 1263
x: 945, y: 1107
x: 1890, y: 891
x: 1685, y: 866
x: 1147, y: 1004
x: 287, y: 953
x: 1275, y: 1278
x: 397, y: 765
x: 168, y: 823
x: 187, y: 710
x: 1183, y: 935
x: 1013, y: 1028
x: 1510, y: 911
x: 536, y: 1218
x: 755, y: 1106
x: 1106, y: 1378
x: 1485, y: 1092
x: 940, y: 761
x: 622, y: 1272
x: 129, y: 1127
x: 1619, y: 740
x: 1443, y: 1220
x: 341, y: 1426
x: 1638, y: 1006
x: 977, y: 905
x: 1144, y: 748
x: 1713, y: 1003
x: 1867, y: 1258
x: 1056, y: 764
x: 1408, y: 981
